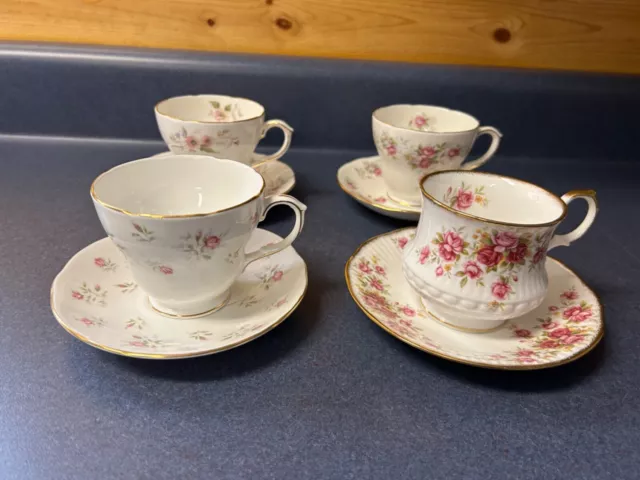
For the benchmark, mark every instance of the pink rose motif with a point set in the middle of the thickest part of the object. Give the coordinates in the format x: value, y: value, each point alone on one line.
x: 429, y: 152
x: 576, y: 314
x: 500, y: 289
x: 518, y: 254
x: 408, y: 311
x: 77, y: 295
x: 522, y: 332
x: 211, y: 242
x: 86, y: 321
x: 380, y: 200
x: 549, y: 325
x: 96, y: 287
x: 560, y: 332
x: 505, y: 241
x: 136, y: 343
x: 420, y: 121
x: 364, y: 267
x: 472, y: 270
x: 514, y: 278
x: 539, y: 255
x: 525, y: 353
x: 375, y: 283
x: 424, y: 254
x: 453, y: 152
x: 464, y: 199
x: 402, y: 242
x: 166, y: 270
x: 405, y: 323
x: 439, y: 272
x: 391, y: 150
x: 191, y: 142
x: 548, y: 344
x: 553, y: 308
x: 451, y: 246
x: 571, y: 339
x: 425, y: 162
x: 205, y: 141
x: 377, y: 171
x: 99, y: 262
x: 488, y: 256
x: 281, y: 302
x: 570, y: 295
x: 277, y: 276
x: 526, y: 360
x: 219, y: 115
x: 380, y: 270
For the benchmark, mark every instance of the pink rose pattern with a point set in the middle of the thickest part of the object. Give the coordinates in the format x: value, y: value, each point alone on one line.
x: 201, y: 245
x: 502, y: 253
x: 368, y: 170
x: 420, y: 156
x: 463, y: 197
x: 563, y: 329
x: 419, y: 122
x: 105, y: 264
x: 198, y: 142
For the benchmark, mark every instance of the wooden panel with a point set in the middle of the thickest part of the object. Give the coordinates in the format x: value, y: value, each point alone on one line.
x: 596, y: 35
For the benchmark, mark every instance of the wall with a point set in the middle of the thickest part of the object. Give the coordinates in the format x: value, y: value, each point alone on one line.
x: 589, y: 35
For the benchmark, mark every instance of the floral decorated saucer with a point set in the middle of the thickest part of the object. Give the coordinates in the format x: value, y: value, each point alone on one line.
x: 278, y: 176
x: 362, y: 179
x: 565, y: 327
x: 96, y: 300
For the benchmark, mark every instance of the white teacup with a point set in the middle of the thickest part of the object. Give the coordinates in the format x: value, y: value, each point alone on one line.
x: 478, y: 257
x: 226, y: 127
x: 413, y: 140
x: 182, y: 222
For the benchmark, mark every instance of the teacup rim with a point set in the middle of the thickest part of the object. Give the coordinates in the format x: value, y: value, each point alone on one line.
x: 158, y: 216
x: 456, y: 132
x: 166, y: 115
x: 430, y: 197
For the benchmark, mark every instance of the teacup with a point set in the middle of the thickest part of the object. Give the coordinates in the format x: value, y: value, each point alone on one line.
x: 182, y: 222
x: 413, y: 140
x: 479, y: 253
x: 226, y: 127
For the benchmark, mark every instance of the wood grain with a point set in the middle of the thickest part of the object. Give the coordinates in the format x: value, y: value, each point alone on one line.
x: 591, y: 35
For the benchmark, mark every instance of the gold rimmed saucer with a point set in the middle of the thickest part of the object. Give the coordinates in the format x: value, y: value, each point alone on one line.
x: 96, y: 299
x: 362, y: 180
x: 566, y: 326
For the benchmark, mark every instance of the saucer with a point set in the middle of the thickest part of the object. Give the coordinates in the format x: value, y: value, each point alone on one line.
x: 96, y: 300
x: 362, y: 179
x: 279, y: 177
x: 565, y: 327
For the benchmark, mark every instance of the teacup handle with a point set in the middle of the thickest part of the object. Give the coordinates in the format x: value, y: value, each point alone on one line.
x: 286, y: 129
x: 298, y: 208
x: 495, y: 143
x: 590, y: 197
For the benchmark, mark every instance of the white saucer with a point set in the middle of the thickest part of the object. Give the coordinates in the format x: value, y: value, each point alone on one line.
x: 96, y: 300
x: 278, y: 176
x: 362, y: 179
x: 566, y: 326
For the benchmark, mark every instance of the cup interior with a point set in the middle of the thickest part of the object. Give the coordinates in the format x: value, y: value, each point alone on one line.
x: 493, y: 198
x: 177, y: 185
x: 210, y: 108
x: 426, y: 118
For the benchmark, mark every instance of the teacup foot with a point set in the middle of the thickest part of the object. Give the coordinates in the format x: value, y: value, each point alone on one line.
x: 404, y: 202
x: 201, y: 310
x: 479, y: 326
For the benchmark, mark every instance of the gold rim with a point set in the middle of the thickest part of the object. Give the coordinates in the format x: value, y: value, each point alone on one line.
x: 596, y: 339
x: 428, y: 196
x: 176, y: 356
x: 157, y: 110
x: 387, y: 124
x: 156, y: 216
x: 359, y: 198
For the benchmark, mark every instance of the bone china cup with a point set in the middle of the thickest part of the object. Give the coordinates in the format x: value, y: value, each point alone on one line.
x: 478, y: 257
x: 182, y: 222
x: 226, y: 127
x: 413, y: 140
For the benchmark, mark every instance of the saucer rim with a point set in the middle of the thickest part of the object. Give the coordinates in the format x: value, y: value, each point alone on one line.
x: 596, y: 340
x: 171, y: 356
x: 377, y: 206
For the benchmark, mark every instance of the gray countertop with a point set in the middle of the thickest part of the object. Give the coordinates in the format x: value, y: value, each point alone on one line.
x: 327, y: 394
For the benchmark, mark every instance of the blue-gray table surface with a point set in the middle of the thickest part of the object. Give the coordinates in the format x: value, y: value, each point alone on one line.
x: 327, y: 394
